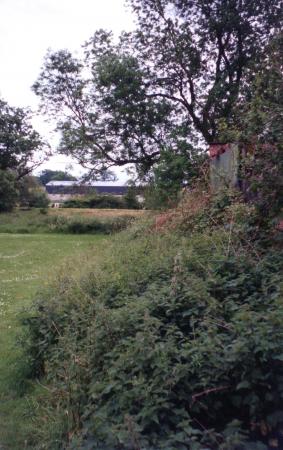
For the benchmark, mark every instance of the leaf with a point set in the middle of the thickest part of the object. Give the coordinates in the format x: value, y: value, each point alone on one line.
x: 243, y: 385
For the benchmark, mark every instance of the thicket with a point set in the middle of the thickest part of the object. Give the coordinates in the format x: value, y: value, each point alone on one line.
x: 170, y: 340
x: 8, y: 191
x: 24, y: 192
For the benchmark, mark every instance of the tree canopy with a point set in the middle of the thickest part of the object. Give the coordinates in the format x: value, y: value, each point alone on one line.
x: 107, y: 120
x: 8, y: 191
x: 167, y: 84
x: 202, y: 54
x: 55, y: 175
x: 21, y: 147
x: 21, y: 151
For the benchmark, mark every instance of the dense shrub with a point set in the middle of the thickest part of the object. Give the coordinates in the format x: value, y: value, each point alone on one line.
x: 31, y: 194
x: 39, y: 200
x: 167, y: 342
x: 8, y: 191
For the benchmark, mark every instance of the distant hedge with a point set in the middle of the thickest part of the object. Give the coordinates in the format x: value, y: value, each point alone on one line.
x: 83, y: 225
x: 103, y: 202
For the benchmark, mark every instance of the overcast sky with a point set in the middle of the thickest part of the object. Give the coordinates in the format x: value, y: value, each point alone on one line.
x: 29, y: 27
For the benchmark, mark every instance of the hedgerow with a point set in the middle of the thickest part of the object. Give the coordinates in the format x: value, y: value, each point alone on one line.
x: 103, y: 201
x: 169, y: 341
x: 84, y: 225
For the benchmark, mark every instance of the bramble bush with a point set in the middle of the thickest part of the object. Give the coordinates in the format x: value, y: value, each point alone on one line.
x: 169, y: 341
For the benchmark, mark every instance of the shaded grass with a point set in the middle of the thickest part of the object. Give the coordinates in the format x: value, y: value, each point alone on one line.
x: 26, y: 264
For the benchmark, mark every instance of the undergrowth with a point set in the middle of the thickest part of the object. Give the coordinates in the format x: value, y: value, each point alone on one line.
x: 172, y: 340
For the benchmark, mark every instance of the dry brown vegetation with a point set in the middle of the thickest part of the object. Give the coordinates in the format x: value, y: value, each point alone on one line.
x: 191, y: 203
x: 100, y: 213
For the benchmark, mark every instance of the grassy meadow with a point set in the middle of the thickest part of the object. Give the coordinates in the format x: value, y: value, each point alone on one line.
x: 27, y: 262
x: 45, y: 221
x: 68, y: 221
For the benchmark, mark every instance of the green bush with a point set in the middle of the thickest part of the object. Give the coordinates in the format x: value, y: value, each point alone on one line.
x: 168, y: 342
x: 83, y: 225
x: 31, y: 194
x: 38, y: 200
x: 8, y: 191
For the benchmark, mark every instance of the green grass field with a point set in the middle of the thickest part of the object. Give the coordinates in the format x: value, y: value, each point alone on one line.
x: 27, y: 261
x: 34, y: 221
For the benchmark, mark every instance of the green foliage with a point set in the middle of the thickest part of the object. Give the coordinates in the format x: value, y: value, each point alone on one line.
x: 31, y: 193
x: 185, y: 67
x: 104, y: 202
x: 263, y: 170
x: 119, y: 122
x: 83, y: 225
x: 156, y: 198
x: 168, y: 342
x: 39, y: 200
x: 258, y: 127
x: 24, y: 221
x: 259, y: 120
x: 55, y: 175
x: 172, y: 172
x: 19, y: 142
x: 130, y: 198
x: 20, y: 145
x: 263, y: 167
x: 202, y: 55
x: 8, y: 191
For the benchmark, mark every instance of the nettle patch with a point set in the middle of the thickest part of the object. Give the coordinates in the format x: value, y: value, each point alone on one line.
x: 177, y: 345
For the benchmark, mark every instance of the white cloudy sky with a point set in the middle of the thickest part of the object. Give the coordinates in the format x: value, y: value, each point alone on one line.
x: 29, y: 27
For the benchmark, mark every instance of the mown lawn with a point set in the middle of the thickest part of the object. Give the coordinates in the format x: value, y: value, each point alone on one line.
x: 27, y: 261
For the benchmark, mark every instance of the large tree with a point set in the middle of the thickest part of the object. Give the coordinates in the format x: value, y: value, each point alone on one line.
x: 172, y: 80
x: 201, y: 54
x: 21, y: 151
x: 105, y: 116
x: 21, y: 147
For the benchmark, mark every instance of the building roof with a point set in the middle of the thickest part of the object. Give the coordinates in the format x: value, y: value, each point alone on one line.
x: 92, y: 183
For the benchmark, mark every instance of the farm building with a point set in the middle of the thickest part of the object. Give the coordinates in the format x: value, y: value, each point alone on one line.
x: 60, y: 191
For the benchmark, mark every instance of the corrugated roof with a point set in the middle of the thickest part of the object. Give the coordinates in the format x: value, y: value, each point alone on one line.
x: 92, y: 183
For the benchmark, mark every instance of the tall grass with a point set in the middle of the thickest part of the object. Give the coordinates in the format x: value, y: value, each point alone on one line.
x: 37, y: 221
